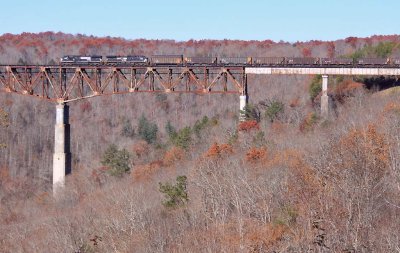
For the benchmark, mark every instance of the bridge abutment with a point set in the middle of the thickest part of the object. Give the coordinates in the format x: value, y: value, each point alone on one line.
x: 242, y: 106
x: 325, y: 97
x: 60, y: 156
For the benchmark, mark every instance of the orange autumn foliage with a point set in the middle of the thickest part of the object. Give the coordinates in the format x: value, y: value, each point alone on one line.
x: 303, y: 182
x: 366, y: 145
x: 256, y: 235
x: 256, y: 154
x: 248, y: 125
x: 147, y: 171
x: 346, y: 89
x: 278, y: 127
x: 265, y: 235
x: 308, y: 122
x: 141, y: 148
x: 217, y: 150
x: 306, y: 52
x: 391, y: 107
x: 173, y: 155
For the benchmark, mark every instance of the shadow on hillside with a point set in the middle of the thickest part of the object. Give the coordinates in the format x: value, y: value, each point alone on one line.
x: 380, y: 83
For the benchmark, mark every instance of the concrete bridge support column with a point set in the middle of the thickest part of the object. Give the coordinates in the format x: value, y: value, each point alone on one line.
x: 59, y: 156
x: 324, y: 97
x: 243, y: 99
x: 242, y: 107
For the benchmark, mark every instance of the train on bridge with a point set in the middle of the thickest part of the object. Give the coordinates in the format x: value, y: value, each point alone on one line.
x: 180, y: 60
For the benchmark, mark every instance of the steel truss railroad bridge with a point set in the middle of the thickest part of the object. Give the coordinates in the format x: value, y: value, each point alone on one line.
x: 69, y: 83
x: 63, y: 84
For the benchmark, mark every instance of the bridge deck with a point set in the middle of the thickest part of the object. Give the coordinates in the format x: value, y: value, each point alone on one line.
x: 369, y: 71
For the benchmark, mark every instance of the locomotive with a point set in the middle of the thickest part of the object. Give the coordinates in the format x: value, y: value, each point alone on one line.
x: 77, y: 59
x: 95, y: 59
x: 180, y: 60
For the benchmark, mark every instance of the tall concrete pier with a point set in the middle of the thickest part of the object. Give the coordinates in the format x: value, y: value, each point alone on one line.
x: 242, y: 107
x: 59, y: 156
x: 324, y: 97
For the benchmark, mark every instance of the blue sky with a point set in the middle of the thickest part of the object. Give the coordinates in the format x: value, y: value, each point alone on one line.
x: 288, y: 20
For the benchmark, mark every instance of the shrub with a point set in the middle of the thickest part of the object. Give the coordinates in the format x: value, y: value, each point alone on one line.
x: 251, y: 112
x: 127, y: 129
x: 147, y: 130
x: 183, y: 138
x: 170, y: 129
x: 162, y: 101
x: 256, y: 154
x: 4, y: 118
x: 176, y: 195
x: 274, y: 110
x: 141, y: 149
x: 116, y: 160
x: 308, y: 122
x: 217, y: 150
x: 145, y: 172
x: 200, y: 125
x: 173, y: 155
x: 259, y: 138
x: 4, y: 122
x: 248, y: 125
x: 384, y: 49
x: 365, y: 150
x: 214, y: 121
x: 232, y: 137
x: 315, y: 87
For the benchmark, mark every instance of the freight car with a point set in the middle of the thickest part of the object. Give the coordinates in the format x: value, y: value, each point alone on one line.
x: 298, y: 61
x: 166, y: 59
x: 372, y: 61
x: 336, y: 61
x: 395, y: 61
x: 268, y: 61
x: 235, y: 60
x: 200, y: 60
x: 179, y: 60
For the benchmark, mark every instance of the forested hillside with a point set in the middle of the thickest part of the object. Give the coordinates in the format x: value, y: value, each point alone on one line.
x: 180, y: 173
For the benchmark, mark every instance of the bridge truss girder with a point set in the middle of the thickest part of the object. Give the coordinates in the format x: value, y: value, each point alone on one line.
x: 67, y: 83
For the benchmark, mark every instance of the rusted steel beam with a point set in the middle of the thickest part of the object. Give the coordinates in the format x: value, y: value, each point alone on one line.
x: 69, y: 83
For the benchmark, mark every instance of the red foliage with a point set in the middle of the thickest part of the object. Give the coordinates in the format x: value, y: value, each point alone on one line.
x: 141, y: 148
x: 316, y: 42
x: 256, y: 154
x: 346, y: 89
x: 248, y: 125
x: 217, y: 150
x: 173, y: 155
x: 147, y: 171
x: 306, y: 52
x: 331, y: 49
x: 351, y: 40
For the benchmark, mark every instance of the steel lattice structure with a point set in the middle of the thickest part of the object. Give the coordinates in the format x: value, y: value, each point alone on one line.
x: 69, y: 83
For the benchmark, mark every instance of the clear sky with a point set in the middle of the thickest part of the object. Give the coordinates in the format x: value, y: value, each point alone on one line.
x: 288, y: 20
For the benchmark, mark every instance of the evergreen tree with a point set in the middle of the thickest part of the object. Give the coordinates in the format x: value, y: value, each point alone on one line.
x: 176, y: 195
x: 147, y: 130
x: 117, y: 160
